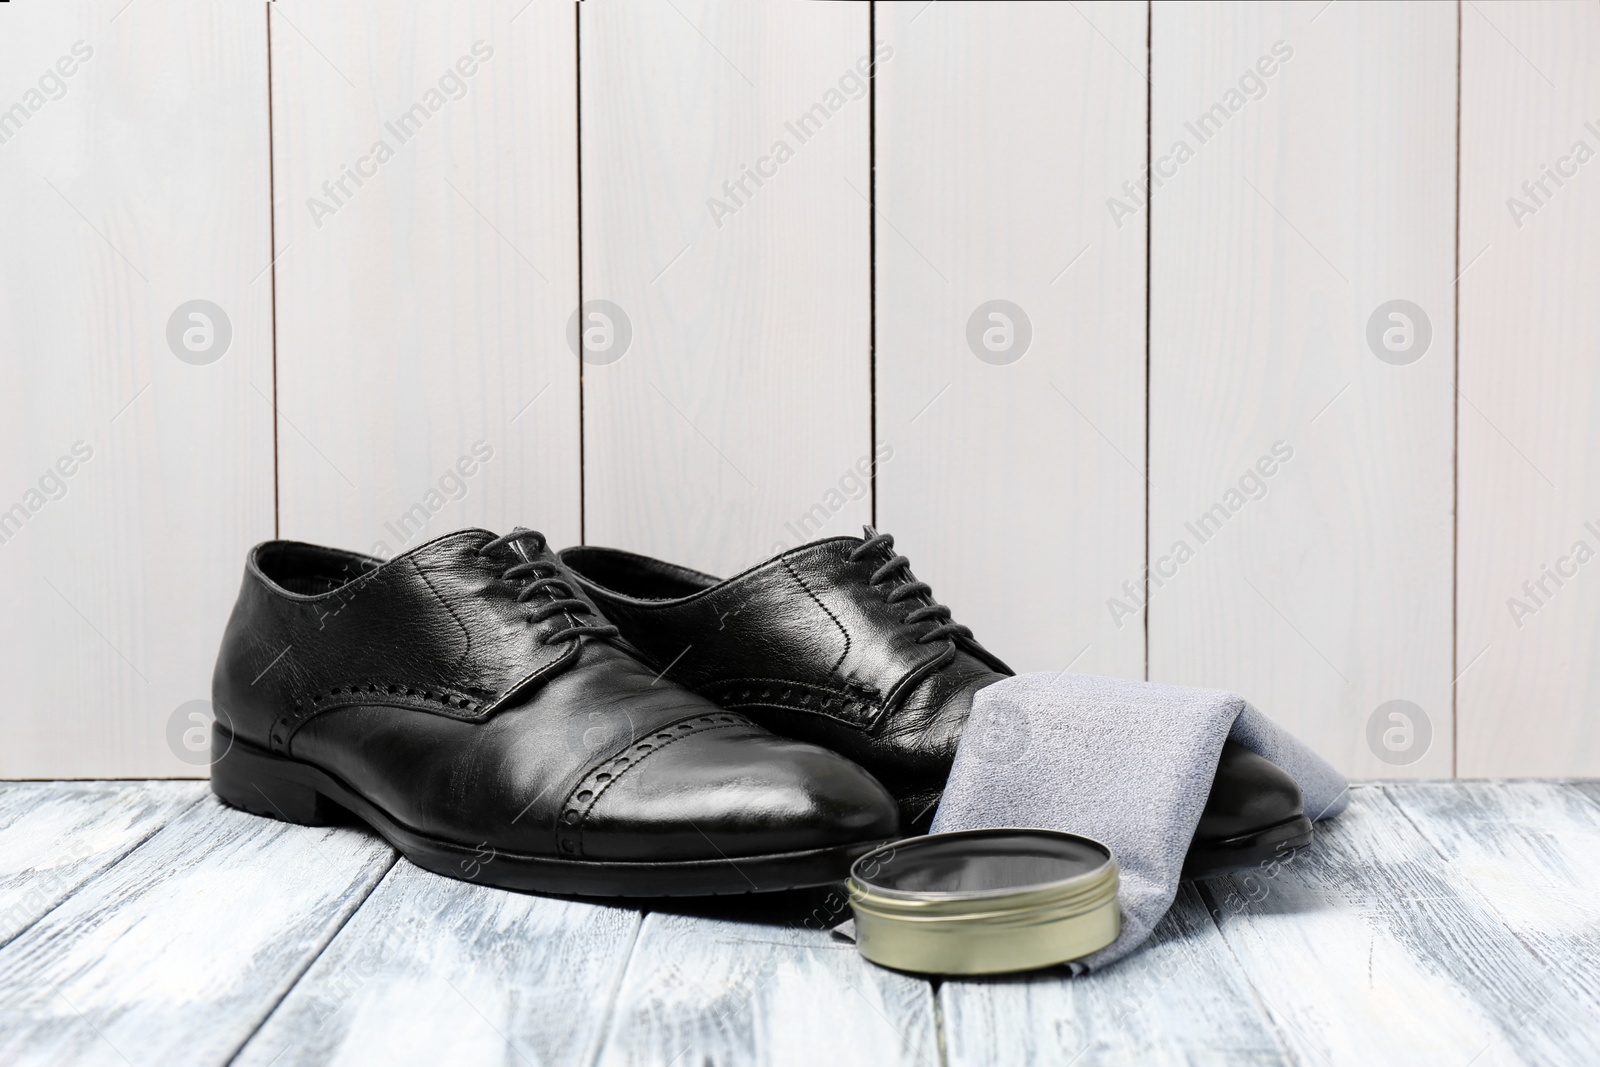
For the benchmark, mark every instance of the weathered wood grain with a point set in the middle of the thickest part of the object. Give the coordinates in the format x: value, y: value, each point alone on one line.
x: 1528, y: 614
x: 984, y: 192
x: 177, y: 953
x: 1532, y: 850
x: 433, y: 970
x: 54, y: 836
x: 1181, y: 999
x: 709, y: 991
x: 1433, y: 922
x: 1366, y: 948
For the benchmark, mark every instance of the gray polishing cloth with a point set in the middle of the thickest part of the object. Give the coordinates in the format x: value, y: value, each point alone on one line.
x: 1127, y: 763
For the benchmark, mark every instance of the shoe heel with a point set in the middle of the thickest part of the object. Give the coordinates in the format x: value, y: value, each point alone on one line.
x: 254, y: 780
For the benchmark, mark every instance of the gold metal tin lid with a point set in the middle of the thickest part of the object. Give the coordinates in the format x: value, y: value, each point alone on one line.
x: 985, y: 901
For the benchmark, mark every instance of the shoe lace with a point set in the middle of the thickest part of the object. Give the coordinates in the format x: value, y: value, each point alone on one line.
x: 908, y: 588
x: 546, y: 575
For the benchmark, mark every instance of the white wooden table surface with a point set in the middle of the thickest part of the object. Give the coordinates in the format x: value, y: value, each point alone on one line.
x: 144, y: 923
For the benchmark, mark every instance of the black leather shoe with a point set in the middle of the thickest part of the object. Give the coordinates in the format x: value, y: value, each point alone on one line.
x: 471, y: 705
x: 1254, y: 814
x: 838, y: 643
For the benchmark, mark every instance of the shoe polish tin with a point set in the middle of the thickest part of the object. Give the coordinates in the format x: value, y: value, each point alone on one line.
x: 984, y: 901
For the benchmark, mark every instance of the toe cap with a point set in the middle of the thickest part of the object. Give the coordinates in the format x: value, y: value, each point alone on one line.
x: 1248, y: 794
x: 736, y: 791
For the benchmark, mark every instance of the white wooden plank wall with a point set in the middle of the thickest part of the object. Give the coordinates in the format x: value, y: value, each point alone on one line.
x: 777, y: 331
x: 130, y: 480
x: 1016, y: 483
x: 739, y: 413
x: 422, y: 380
x: 1529, y: 607
x: 1318, y: 184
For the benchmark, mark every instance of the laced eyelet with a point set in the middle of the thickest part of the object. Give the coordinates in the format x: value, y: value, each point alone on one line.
x: 908, y: 588
x: 561, y: 599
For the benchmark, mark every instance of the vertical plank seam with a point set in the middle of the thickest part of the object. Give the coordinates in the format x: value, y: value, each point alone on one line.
x: 103, y: 871
x: 872, y: 257
x: 1383, y: 790
x: 314, y: 955
x: 940, y: 1034
x: 577, y: 92
x: 1149, y: 113
x: 272, y: 252
x: 603, y: 1033
x: 1455, y: 447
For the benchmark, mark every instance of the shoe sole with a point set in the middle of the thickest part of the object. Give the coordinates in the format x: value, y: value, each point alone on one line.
x: 252, y: 779
x: 1278, y: 842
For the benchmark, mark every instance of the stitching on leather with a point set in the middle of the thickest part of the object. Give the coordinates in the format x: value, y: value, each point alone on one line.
x: 517, y: 687
x: 869, y: 706
x: 572, y: 831
x: 858, y: 694
x: 915, y: 675
x: 437, y: 694
x: 381, y: 694
x: 834, y: 669
x: 306, y: 708
x: 466, y: 633
x: 431, y: 694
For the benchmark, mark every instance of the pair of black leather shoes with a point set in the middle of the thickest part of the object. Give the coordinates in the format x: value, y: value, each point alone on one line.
x: 605, y: 723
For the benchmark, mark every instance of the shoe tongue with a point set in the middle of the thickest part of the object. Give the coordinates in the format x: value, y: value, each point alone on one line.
x: 524, y: 547
x: 883, y: 552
